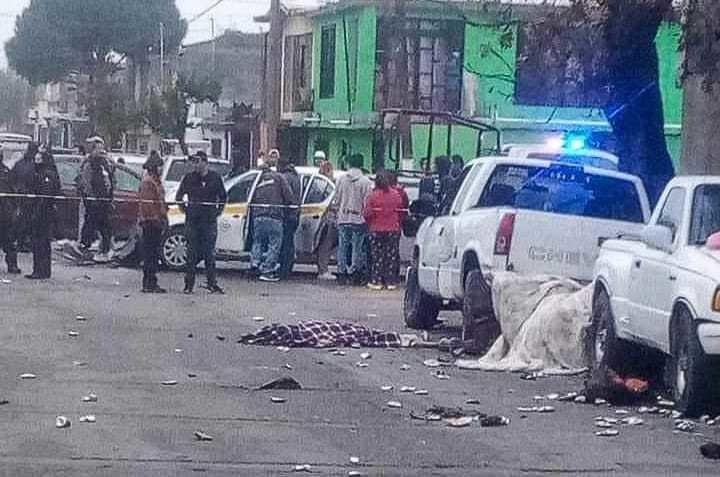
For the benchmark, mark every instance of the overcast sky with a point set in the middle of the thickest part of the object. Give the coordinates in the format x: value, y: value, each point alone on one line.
x: 235, y: 14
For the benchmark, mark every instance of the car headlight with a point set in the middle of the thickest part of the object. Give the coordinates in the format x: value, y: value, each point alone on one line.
x: 716, y: 301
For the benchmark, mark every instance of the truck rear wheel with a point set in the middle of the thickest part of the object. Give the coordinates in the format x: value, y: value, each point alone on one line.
x: 419, y: 309
x: 480, y: 327
x: 691, y: 375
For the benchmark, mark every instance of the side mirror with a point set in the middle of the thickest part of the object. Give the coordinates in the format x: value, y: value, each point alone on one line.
x: 659, y: 237
x: 423, y: 208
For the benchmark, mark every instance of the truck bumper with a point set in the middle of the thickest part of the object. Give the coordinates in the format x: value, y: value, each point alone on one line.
x: 709, y: 335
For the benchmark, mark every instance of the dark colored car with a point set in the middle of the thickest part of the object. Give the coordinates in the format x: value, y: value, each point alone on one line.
x: 124, y: 218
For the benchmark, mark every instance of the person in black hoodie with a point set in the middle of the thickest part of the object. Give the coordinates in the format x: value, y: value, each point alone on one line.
x: 46, y: 182
x: 291, y: 221
x: 8, y: 218
x: 22, y: 177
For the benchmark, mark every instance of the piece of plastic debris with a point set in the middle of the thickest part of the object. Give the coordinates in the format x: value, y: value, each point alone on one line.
x: 283, y: 349
x: 90, y: 398
x: 80, y: 318
x: 580, y: 399
x: 292, y: 313
x: 494, y: 421
x: 404, y: 367
x: 192, y: 375
x: 538, y: 398
x: 338, y: 353
x: 80, y: 363
x: 675, y: 414
x: 360, y: 364
x: 278, y: 400
x: 386, y: 388
x: 622, y: 412
x: 552, y: 397
x: 473, y: 401
x: 440, y: 374
x: 710, y: 450
x: 711, y: 422
x: 62, y: 422
x: 408, y: 389
x: 354, y: 460
x: 365, y: 356
x: 538, y: 409
x: 288, y: 366
x: 608, y: 433
x: 665, y: 403
x: 648, y: 410
x: 285, y: 383
x: 459, y: 421
x: 684, y: 425
x: 169, y: 382
x: 220, y: 338
x: 355, y: 346
x: 704, y: 418
x: 27, y: 376
x: 372, y: 315
x: 600, y: 401
x: 603, y: 424
x: 258, y: 318
x: 89, y: 419
x: 73, y: 334
x: 421, y: 392
x: 201, y: 436
x: 394, y: 404
x: 178, y: 350
x: 632, y: 421
x: 568, y: 397
x: 354, y: 473
x: 432, y: 363
x: 6, y: 282
x: 303, y: 468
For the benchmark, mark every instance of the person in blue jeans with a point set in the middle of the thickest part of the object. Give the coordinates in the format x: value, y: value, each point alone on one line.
x: 273, y: 197
x: 352, y: 192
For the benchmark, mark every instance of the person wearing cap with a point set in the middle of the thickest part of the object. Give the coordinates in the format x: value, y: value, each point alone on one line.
x: 291, y: 221
x: 153, y: 221
x: 96, y: 186
x: 206, y: 198
x: 319, y: 158
x: 8, y: 218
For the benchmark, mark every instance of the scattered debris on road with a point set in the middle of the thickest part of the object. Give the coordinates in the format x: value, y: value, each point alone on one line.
x: 303, y: 468
x: 386, y: 388
x: 170, y: 382
x: 88, y: 419
x: 27, y: 376
x: 355, y: 460
x: 3, y: 402
x: 285, y: 383
x: 80, y: 318
x: 220, y: 338
x: 201, y: 436
x: 494, y: 421
x: 90, y: 398
x: 73, y: 334
x: 608, y: 433
x: 365, y: 356
x: 537, y: 409
x: 684, y: 425
x: 432, y: 363
x: 277, y: 400
x: 394, y: 404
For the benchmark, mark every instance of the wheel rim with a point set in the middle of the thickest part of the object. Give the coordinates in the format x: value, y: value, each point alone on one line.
x: 175, y: 250
x: 411, y: 296
x: 600, y: 344
x: 681, y: 368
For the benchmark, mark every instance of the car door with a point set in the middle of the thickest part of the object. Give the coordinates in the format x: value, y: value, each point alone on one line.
x: 232, y: 224
x: 316, y: 200
x: 125, y: 212
x: 653, y: 277
x: 68, y: 211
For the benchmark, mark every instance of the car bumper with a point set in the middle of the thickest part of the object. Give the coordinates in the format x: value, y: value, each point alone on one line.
x: 709, y: 335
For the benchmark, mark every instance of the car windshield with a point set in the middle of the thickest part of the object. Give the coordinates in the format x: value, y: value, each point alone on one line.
x: 179, y: 168
x: 705, y: 214
x: 564, y: 190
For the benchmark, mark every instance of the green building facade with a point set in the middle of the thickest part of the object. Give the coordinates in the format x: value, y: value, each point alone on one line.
x: 346, y: 65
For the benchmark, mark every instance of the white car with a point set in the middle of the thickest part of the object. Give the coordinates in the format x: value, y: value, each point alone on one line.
x: 519, y: 214
x: 660, y: 291
x: 233, y: 225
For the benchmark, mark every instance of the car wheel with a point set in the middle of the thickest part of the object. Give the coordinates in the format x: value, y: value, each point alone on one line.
x: 419, y: 309
x: 480, y: 328
x: 174, y: 249
x: 603, y: 348
x: 689, y: 369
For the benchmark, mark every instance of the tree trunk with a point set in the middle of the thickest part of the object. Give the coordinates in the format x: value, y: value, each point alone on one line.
x: 701, y: 84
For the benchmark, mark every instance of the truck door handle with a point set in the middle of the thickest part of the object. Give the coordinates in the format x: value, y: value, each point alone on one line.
x: 638, y: 263
x: 441, y: 232
x: 236, y: 216
x: 673, y: 278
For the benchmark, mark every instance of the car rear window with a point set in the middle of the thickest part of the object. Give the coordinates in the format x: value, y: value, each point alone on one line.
x: 705, y: 213
x: 563, y: 189
x: 178, y: 169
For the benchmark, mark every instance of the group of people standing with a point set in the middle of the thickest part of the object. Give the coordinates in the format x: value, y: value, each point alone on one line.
x: 35, y: 174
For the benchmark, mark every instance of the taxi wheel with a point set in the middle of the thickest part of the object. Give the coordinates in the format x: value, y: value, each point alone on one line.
x: 174, y: 249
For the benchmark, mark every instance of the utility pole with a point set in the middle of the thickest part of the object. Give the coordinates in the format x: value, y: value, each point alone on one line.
x: 274, y: 75
x: 162, y: 56
x: 212, y: 26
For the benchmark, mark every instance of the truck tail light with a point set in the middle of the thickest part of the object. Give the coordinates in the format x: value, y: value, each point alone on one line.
x: 716, y: 301
x: 503, y: 239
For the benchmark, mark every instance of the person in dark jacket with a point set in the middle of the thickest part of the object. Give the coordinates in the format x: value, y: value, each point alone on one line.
x: 272, y: 196
x: 153, y: 220
x: 96, y: 185
x: 8, y: 218
x: 22, y: 177
x: 291, y: 221
x: 46, y: 182
x: 206, y: 195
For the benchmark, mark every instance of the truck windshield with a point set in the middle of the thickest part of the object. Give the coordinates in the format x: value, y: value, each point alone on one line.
x: 178, y: 169
x: 705, y: 214
x: 563, y: 190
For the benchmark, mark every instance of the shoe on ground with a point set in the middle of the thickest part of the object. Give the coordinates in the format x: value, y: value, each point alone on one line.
x: 158, y: 290
x: 14, y: 271
x: 36, y: 277
x: 392, y: 287
x: 188, y: 291
x: 375, y: 286
x: 327, y: 276
x: 215, y: 290
x: 270, y: 277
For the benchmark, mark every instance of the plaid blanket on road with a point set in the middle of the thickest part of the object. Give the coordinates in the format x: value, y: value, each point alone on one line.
x: 321, y: 334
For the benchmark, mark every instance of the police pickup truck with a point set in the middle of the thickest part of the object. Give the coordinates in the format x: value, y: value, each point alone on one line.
x: 659, y: 291
x: 533, y: 211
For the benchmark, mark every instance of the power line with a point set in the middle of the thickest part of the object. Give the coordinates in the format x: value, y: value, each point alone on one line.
x: 206, y: 11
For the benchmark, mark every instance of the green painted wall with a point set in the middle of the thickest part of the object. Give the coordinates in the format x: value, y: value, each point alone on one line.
x: 361, y: 34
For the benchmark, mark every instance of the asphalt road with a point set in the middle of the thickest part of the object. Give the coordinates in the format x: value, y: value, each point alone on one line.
x: 131, y: 343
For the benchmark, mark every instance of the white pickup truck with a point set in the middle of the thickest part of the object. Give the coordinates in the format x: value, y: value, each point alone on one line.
x: 660, y: 291
x: 528, y: 215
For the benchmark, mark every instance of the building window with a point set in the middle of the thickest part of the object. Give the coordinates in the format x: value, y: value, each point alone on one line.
x: 216, y: 148
x: 297, y: 94
x: 327, y: 62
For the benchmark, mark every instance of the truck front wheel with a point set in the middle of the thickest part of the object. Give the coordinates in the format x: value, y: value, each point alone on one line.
x: 419, y: 309
x: 480, y: 327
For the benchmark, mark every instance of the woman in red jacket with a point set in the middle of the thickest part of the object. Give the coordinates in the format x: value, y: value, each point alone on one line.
x: 383, y: 212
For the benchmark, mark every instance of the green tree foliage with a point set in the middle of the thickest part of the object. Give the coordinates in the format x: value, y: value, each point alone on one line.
x: 168, y: 112
x: 93, y: 37
x: 15, y: 100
